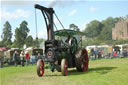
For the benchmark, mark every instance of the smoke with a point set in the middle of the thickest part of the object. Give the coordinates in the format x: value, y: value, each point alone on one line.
x: 53, y: 3
x: 19, y: 2
x: 62, y: 3
x: 50, y: 3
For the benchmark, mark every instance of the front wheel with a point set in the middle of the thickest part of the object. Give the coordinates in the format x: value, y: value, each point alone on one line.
x: 40, y: 67
x: 64, y: 67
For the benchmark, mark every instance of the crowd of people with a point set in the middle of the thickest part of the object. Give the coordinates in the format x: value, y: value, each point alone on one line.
x: 96, y: 53
x: 25, y: 58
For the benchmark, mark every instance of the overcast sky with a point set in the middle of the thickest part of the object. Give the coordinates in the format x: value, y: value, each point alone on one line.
x: 79, y: 12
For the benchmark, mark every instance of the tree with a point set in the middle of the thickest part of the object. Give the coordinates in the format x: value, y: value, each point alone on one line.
x: 74, y: 27
x: 93, y: 29
x: 29, y: 41
x: 38, y: 42
x: 106, y: 33
x: 14, y: 45
x: 7, y: 34
x: 21, y: 34
x: 18, y: 40
x: 1, y: 44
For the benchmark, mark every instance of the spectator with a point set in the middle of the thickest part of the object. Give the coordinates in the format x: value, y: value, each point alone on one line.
x: 39, y: 56
x: 98, y: 53
x: 22, y: 58
x: 27, y: 57
x: 32, y: 59
x: 114, y: 54
x: 102, y: 53
x: 121, y: 53
x: 15, y: 58
x: 95, y: 52
x: 92, y: 53
x: 124, y: 53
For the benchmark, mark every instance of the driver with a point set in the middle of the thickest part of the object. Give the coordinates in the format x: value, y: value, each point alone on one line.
x: 68, y: 40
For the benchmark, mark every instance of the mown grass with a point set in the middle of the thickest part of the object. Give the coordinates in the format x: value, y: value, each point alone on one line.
x: 100, y: 72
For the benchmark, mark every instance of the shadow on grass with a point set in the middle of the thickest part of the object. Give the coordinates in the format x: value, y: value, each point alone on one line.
x: 52, y: 75
x: 100, y: 70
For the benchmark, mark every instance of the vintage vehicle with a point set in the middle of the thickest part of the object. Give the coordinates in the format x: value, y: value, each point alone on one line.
x: 121, y: 50
x: 9, y: 56
x: 105, y: 51
x: 61, y: 53
x: 37, y: 52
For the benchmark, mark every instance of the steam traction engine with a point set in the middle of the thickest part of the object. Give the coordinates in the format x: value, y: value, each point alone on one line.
x: 61, y: 54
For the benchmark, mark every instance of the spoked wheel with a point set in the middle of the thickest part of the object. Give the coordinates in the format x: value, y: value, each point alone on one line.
x: 40, y: 67
x: 82, y: 60
x: 64, y: 67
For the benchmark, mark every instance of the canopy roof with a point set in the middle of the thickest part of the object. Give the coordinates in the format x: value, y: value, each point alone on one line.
x: 66, y: 32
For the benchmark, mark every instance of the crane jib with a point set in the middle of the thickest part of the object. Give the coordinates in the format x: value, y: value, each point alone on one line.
x: 48, y: 16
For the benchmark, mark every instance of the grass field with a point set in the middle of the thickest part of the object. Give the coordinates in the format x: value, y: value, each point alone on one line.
x: 100, y: 72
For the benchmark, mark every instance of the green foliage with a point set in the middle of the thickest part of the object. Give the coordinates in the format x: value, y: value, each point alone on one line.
x: 93, y: 29
x: 74, y: 27
x: 100, y: 72
x: 21, y: 34
x: 106, y: 33
x: 38, y: 42
x: 19, y: 42
x: 7, y: 34
x: 94, y: 41
x: 120, y: 41
x: 29, y: 41
x: 101, y: 30
x: 2, y: 44
x: 14, y: 45
x: 98, y: 33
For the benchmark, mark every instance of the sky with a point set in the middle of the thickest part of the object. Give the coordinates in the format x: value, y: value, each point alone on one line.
x: 78, y: 12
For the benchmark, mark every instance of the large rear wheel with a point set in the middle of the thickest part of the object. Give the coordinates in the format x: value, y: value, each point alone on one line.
x: 82, y: 60
x: 40, y: 67
x: 64, y: 67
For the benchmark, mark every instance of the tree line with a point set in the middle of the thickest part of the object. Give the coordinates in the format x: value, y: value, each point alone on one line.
x: 21, y: 36
x: 96, y: 32
x: 100, y: 32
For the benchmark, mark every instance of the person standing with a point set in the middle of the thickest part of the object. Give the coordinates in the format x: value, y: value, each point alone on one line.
x: 15, y: 58
x: 39, y: 56
x: 22, y: 58
x: 114, y: 54
x: 27, y: 57
x: 32, y: 59
x: 92, y: 53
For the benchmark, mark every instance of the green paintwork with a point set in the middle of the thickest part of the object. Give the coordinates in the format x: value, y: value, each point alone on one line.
x: 66, y: 32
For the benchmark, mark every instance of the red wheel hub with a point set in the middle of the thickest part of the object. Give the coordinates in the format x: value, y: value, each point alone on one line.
x: 42, y: 67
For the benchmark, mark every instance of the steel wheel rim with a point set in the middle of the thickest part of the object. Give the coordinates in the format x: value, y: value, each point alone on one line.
x: 42, y: 67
